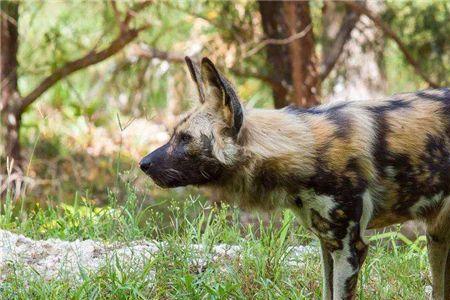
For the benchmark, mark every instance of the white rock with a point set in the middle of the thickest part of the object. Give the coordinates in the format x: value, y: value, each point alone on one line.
x: 54, y: 258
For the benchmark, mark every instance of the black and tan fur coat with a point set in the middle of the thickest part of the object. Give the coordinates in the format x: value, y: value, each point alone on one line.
x: 343, y: 168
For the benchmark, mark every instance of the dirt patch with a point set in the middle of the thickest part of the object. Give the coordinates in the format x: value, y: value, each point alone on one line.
x: 54, y: 258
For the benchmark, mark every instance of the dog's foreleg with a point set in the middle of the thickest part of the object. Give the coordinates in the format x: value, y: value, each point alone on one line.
x: 347, y: 263
x: 327, y: 272
x: 438, y: 237
x: 447, y: 278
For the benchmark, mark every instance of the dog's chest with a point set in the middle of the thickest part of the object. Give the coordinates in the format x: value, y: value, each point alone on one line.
x: 324, y: 216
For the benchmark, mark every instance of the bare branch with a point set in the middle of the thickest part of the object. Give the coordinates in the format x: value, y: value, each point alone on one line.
x: 343, y: 35
x: 175, y: 57
x: 358, y: 8
x: 150, y: 53
x: 284, y: 41
x: 7, y: 17
x: 245, y: 73
x: 93, y: 57
x: 89, y: 59
x: 131, y: 13
x: 117, y: 15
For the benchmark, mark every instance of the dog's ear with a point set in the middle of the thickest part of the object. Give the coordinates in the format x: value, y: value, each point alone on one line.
x: 197, y: 77
x: 224, y: 96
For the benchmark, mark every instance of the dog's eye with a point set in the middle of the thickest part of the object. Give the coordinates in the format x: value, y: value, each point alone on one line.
x: 185, y: 138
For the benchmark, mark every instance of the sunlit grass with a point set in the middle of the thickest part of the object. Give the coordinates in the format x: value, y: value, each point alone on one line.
x: 260, y: 272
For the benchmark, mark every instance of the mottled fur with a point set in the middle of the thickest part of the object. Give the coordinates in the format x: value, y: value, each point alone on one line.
x: 342, y: 167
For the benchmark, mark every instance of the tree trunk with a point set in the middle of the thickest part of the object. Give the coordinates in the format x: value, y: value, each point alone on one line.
x: 360, y: 75
x: 338, y: 25
x: 294, y: 65
x: 9, y: 104
x: 277, y: 55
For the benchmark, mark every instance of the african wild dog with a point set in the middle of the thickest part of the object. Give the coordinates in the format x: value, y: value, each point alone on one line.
x: 343, y: 168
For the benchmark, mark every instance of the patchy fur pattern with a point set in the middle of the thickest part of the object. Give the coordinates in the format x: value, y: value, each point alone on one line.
x: 350, y: 166
x: 342, y: 167
x: 397, y: 149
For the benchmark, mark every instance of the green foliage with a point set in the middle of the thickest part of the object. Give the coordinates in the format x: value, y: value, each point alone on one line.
x: 52, y: 34
x: 423, y: 26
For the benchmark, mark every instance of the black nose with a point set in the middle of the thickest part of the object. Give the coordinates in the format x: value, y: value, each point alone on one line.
x: 146, y: 163
x: 153, y: 162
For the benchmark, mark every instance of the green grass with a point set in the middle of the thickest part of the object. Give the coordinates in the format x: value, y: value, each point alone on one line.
x: 261, y: 272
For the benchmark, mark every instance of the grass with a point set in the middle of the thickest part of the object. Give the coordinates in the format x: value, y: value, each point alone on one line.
x: 260, y: 272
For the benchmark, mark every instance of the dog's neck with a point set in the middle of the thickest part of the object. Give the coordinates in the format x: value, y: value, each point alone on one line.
x: 278, y: 141
x: 274, y: 159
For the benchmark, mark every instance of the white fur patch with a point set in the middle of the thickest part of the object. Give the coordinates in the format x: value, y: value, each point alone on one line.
x: 342, y: 269
x: 323, y: 204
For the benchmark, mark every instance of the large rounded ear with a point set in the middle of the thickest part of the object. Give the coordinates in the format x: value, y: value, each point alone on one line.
x: 223, y: 94
x: 197, y: 77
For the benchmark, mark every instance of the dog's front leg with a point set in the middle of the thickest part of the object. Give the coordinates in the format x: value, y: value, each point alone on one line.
x: 347, y: 263
x: 327, y: 272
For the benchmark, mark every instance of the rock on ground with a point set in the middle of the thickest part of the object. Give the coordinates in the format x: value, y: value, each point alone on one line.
x: 54, y: 258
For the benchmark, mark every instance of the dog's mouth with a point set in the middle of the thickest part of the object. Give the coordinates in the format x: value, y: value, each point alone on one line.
x: 169, y: 178
x: 173, y: 178
x: 167, y: 184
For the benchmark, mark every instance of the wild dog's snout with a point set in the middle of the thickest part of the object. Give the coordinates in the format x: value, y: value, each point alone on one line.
x: 149, y: 164
x: 146, y: 163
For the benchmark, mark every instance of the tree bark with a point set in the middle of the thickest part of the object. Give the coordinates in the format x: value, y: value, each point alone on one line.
x: 293, y: 65
x: 335, y: 37
x: 10, y: 98
x: 277, y: 55
x: 302, y: 54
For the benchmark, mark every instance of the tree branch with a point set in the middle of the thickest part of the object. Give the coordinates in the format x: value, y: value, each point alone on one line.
x: 245, y: 73
x: 342, y: 37
x: 131, y: 13
x: 117, y: 15
x: 175, y: 57
x: 150, y: 53
x: 284, y: 41
x: 356, y: 7
x: 93, y: 57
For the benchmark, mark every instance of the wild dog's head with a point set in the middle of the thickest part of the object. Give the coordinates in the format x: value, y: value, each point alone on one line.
x: 204, y: 144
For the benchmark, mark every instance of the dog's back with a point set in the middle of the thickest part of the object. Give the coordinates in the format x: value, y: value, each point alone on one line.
x: 413, y: 156
x: 378, y: 163
x: 397, y: 148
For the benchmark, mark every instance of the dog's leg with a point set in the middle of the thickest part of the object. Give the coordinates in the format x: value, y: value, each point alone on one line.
x: 447, y: 278
x: 438, y: 237
x: 437, y: 255
x: 327, y: 272
x: 347, y: 263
